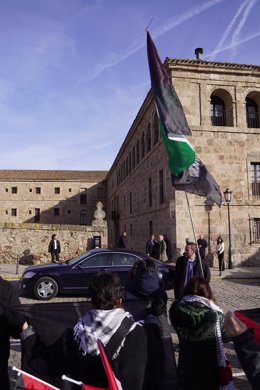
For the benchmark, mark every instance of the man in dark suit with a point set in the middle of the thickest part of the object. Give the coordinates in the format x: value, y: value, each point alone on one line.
x: 54, y: 249
x: 150, y: 247
x: 188, y: 266
x: 122, y: 241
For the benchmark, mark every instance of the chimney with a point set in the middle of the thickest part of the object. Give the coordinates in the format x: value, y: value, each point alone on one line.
x: 198, y: 53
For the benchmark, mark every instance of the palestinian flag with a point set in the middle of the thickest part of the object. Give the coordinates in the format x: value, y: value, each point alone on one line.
x: 26, y: 381
x: 172, y: 120
x: 187, y: 170
x: 113, y: 383
x: 251, y: 318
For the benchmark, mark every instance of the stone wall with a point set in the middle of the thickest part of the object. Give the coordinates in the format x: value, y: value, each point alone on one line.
x: 29, y: 242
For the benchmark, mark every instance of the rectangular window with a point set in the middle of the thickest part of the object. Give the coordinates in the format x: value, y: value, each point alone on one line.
x: 57, y: 190
x: 150, y: 200
x: 13, y: 212
x: 37, y: 190
x: 83, y: 199
x: 14, y: 190
x: 6, y: 190
x: 130, y: 203
x: 255, y: 179
x: 161, y: 187
x: 56, y: 211
x: 255, y: 230
x: 37, y: 213
x: 131, y: 230
x: 150, y: 228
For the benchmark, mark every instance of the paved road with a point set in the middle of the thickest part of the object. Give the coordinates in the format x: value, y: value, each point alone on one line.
x: 230, y: 294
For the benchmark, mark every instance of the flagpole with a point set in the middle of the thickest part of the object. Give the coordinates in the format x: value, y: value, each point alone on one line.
x: 193, y: 229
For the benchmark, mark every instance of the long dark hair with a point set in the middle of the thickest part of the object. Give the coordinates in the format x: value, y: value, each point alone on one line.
x: 199, y: 286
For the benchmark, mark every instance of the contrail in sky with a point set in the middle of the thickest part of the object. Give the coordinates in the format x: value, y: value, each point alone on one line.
x: 246, y: 6
x: 170, y: 24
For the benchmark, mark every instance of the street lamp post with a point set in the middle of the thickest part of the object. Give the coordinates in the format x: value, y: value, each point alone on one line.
x: 228, y: 197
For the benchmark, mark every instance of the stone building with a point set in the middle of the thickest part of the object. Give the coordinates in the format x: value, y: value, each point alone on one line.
x: 51, y: 197
x: 221, y: 102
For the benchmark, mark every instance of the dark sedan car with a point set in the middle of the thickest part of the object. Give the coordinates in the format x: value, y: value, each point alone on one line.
x: 72, y: 277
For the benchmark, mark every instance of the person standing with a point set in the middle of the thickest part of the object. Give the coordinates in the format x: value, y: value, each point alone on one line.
x: 150, y: 246
x: 202, y: 244
x: 162, y: 249
x: 188, y: 266
x: 167, y: 245
x: 123, y: 241
x: 54, y: 249
x: 198, y: 322
x: 220, y: 248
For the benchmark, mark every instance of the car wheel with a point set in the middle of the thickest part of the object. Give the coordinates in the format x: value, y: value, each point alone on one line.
x: 45, y: 288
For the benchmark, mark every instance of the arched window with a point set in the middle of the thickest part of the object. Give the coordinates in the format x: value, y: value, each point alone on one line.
x: 130, y: 161
x: 142, y: 146
x: 252, y: 114
x: 218, y: 112
x: 155, y: 130
x: 148, y: 138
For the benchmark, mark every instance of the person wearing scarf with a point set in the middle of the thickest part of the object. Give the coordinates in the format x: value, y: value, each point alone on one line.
x: 198, y: 322
x: 102, y: 323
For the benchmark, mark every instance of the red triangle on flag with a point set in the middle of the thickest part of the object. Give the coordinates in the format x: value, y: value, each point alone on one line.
x: 112, y: 383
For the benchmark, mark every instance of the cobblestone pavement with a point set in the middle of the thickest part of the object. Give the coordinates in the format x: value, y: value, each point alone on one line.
x: 231, y: 294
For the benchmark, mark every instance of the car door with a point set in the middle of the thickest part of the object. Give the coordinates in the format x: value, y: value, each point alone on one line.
x: 122, y: 263
x: 83, y: 272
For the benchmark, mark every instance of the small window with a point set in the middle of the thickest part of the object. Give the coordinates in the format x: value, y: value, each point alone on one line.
x: 155, y: 130
x: 161, y: 187
x: 6, y: 190
x: 14, y: 190
x: 30, y: 211
x: 56, y: 211
x: 37, y: 190
x: 69, y: 189
x: 255, y: 230
x: 57, y: 190
x: 6, y: 212
x: 68, y: 211
x: 150, y: 197
x: 130, y: 203
x: 255, y: 179
x: 13, y: 212
x: 83, y: 199
x: 30, y: 189
x: 37, y: 215
x: 83, y: 217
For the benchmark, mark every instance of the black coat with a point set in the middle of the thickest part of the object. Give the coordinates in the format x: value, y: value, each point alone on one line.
x: 248, y: 352
x: 122, y: 241
x: 10, y: 325
x: 180, y: 273
x: 150, y: 248
x: 51, y: 246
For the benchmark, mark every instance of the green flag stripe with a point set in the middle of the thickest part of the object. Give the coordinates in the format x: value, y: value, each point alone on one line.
x: 180, y: 153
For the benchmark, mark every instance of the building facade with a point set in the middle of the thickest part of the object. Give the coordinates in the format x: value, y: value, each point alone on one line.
x: 51, y: 197
x: 221, y: 102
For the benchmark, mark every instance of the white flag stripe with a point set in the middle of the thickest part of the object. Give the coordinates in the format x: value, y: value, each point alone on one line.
x: 180, y: 139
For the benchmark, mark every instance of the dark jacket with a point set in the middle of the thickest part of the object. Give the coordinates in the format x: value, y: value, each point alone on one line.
x: 195, y: 326
x: 150, y: 248
x: 10, y: 325
x: 145, y: 285
x: 122, y: 241
x: 51, y: 246
x: 248, y: 352
x: 64, y: 357
x: 180, y: 273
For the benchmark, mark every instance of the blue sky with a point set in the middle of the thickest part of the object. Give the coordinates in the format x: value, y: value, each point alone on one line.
x: 73, y: 73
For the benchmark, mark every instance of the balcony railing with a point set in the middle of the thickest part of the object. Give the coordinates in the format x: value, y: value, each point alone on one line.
x: 255, y: 190
x: 253, y: 121
x: 221, y: 117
